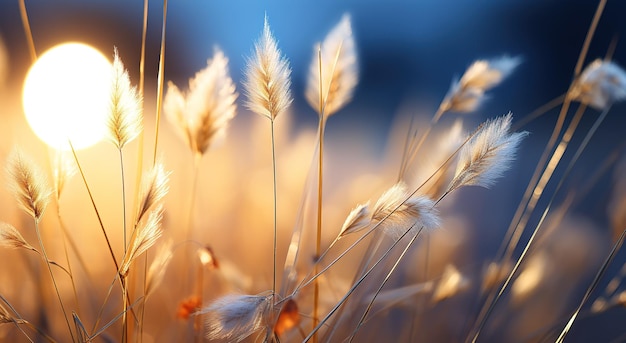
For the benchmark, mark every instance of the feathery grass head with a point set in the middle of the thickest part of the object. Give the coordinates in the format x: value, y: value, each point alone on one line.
x: 466, y: 94
x: 125, y: 112
x: 143, y: 238
x: 11, y: 238
x: 154, y: 188
x: 267, y: 84
x: 398, y: 212
x: 358, y: 219
x: 488, y: 154
x: 159, y: 266
x: 203, y: 112
x: 600, y: 84
x: 451, y: 283
x: 29, y: 184
x: 339, y: 68
x: 63, y: 170
x: 235, y: 317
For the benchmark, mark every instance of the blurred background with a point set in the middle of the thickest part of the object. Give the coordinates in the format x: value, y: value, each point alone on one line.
x: 409, y: 52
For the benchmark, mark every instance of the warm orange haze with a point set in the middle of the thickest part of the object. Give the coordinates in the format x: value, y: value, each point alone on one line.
x: 173, y: 176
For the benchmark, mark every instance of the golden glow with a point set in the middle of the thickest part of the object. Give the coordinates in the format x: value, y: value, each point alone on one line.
x: 66, y: 94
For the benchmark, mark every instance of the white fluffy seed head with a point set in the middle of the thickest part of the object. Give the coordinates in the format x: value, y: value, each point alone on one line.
x: 125, y: 108
x: 466, y: 94
x: 396, y: 212
x: 600, y: 84
x: 235, y: 317
x: 266, y: 79
x: 339, y: 69
x: 29, y: 184
x: 489, y: 153
x: 203, y: 113
x: 357, y: 220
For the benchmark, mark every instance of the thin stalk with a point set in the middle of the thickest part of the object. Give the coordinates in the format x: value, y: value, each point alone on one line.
x: 56, y: 288
x: 574, y: 159
x: 275, y: 209
x: 353, y: 288
x: 160, y: 83
x: 140, y: 139
x: 93, y: 203
x: 27, y: 31
x: 413, y: 149
x: 64, y: 237
x: 192, y: 200
x: 123, y: 198
x: 393, y: 268
x: 125, y: 308
x: 318, y: 239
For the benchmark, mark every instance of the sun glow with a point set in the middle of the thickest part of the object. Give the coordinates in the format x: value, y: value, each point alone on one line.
x: 66, y: 94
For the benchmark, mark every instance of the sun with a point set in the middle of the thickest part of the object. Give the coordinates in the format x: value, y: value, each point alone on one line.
x: 66, y: 94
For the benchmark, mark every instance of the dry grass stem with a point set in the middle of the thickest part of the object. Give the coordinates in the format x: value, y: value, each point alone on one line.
x: 487, y: 155
x: 235, y: 317
x: 203, y: 112
x: 267, y: 77
x: 600, y: 85
x: 125, y: 111
x: 29, y: 184
x: 339, y: 67
x: 466, y: 94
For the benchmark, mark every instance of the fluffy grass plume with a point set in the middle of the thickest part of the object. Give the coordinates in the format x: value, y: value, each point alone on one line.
x: 267, y: 77
x: 235, y: 317
x: 466, y: 94
x: 143, y: 238
x: 125, y: 112
x: 11, y: 238
x: 204, y: 111
x: 339, y: 68
x: 358, y: 219
x: 29, y: 184
x: 488, y: 154
x: 600, y: 84
x: 154, y: 188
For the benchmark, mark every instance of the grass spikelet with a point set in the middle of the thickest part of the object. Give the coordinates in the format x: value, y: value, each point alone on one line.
x: 600, y: 85
x: 154, y: 188
x: 235, y: 317
x: 451, y: 283
x: 487, y: 155
x: 158, y: 267
x: 267, y: 83
x: 204, y: 111
x: 29, y: 184
x: 143, y: 237
x: 10, y: 237
x: 466, y: 94
x: 399, y: 211
x: 339, y: 67
x: 357, y: 220
x: 125, y: 112
x: 64, y: 169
